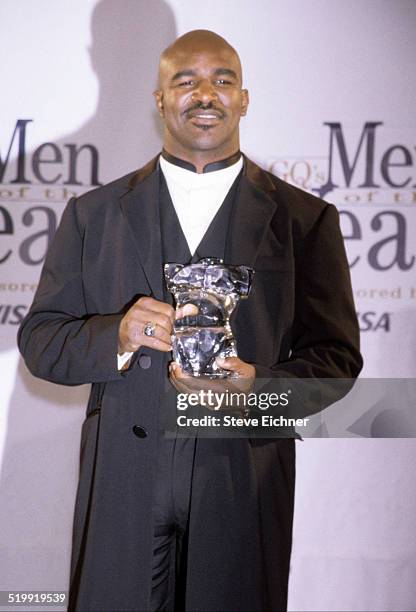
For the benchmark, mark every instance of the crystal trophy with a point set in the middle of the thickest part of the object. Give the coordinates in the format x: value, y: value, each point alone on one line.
x: 214, y: 289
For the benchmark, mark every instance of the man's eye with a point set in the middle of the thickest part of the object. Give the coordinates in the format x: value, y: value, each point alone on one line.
x: 223, y: 82
x: 186, y: 84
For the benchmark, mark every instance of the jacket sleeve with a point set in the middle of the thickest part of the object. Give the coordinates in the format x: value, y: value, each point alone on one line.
x: 325, y: 343
x: 59, y: 340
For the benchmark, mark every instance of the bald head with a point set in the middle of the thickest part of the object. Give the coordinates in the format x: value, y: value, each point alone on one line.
x: 196, y: 43
x: 200, y: 98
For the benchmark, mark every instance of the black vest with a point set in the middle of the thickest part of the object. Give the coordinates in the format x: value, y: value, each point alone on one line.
x: 180, y: 451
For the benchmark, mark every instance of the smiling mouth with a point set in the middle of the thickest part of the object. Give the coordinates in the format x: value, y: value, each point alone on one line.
x: 205, y: 116
x: 205, y: 121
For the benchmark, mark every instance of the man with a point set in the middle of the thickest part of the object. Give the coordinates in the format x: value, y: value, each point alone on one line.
x: 211, y: 517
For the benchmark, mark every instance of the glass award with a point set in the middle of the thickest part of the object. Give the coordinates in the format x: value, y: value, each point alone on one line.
x: 214, y: 289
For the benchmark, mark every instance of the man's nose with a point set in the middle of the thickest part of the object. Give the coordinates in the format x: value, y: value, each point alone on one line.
x: 205, y: 91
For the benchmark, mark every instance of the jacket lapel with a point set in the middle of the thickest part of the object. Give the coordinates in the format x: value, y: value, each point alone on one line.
x: 252, y: 213
x: 140, y: 206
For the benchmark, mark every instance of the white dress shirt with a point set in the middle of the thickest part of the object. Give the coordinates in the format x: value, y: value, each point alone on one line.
x: 197, y: 199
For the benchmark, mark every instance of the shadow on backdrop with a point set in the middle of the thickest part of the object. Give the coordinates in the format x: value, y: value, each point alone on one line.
x: 40, y: 460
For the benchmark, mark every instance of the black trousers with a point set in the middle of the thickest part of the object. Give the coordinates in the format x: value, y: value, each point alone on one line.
x: 171, y: 520
x: 171, y: 509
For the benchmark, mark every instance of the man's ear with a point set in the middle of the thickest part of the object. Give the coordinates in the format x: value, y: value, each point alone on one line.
x: 244, y: 102
x: 159, y: 101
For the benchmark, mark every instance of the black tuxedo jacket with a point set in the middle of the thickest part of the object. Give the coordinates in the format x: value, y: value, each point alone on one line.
x: 299, y: 321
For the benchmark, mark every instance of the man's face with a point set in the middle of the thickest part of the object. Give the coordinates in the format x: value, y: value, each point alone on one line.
x: 201, y: 101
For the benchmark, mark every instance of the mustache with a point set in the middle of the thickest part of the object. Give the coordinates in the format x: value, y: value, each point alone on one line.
x: 206, y: 107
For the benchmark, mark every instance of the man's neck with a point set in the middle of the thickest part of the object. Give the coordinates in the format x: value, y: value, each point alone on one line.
x: 203, y: 165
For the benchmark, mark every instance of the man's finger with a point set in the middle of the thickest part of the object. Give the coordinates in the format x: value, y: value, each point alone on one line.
x: 150, y: 342
x: 178, y: 378
x: 234, y: 364
x: 177, y: 372
x: 149, y: 304
x: 156, y: 343
x: 160, y: 320
x: 134, y: 327
x: 188, y: 310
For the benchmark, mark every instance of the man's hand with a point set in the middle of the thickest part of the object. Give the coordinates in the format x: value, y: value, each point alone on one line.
x: 241, y: 382
x: 131, y: 334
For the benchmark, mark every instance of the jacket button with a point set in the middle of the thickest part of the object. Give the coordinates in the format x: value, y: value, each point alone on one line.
x: 138, y: 431
x: 145, y: 361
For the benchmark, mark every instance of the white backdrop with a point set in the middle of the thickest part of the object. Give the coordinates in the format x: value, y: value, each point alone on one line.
x: 332, y: 89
